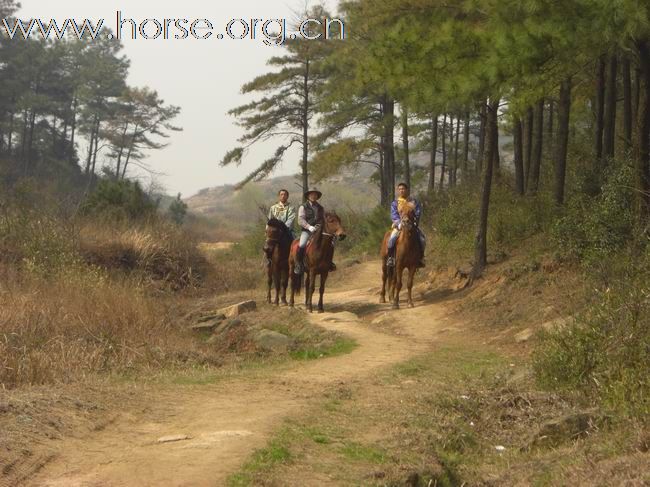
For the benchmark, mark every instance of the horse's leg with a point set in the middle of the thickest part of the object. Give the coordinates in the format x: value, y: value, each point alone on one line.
x: 312, y: 288
x: 306, y: 288
x: 285, y: 283
x: 323, y: 280
x: 276, y: 281
x: 269, y: 275
x: 384, y: 276
x: 398, y: 284
x: 293, y: 291
x: 412, y: 271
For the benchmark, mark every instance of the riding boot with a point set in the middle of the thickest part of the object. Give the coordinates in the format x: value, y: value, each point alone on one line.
x: 390, y: 262
x: 300, y: 265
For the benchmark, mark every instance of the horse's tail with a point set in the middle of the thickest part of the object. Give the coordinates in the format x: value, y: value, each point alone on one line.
x: 296, y: 282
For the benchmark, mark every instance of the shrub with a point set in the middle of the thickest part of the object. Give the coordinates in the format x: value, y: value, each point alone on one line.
x: 595, y: 227
x: 177, y: 210
x: 365, y: 232
x: 605, y: 353
x: 120, y: 199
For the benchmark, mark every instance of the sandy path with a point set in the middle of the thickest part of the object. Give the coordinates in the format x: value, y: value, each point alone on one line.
x: 226, y: 422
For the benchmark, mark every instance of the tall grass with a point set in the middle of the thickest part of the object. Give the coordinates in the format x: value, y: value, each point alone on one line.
x: 80, y: 322
x: 80, y: 296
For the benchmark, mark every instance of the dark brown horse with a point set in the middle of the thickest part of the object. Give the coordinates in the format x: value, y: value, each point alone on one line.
x: 318, y: 259
x: 407, y: 256
x: 276, y: 247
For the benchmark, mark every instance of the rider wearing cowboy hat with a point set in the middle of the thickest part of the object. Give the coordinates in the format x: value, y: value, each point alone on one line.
x: 311, y: 216
x: 403, y: 198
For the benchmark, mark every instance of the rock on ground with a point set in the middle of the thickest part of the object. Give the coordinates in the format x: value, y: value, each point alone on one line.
x: 238, y: 309
x: 272, y: 341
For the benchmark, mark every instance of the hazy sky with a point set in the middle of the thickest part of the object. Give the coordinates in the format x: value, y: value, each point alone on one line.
x: 203, y: 77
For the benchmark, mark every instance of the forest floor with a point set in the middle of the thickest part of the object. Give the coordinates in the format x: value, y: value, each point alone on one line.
x: 437, y: 394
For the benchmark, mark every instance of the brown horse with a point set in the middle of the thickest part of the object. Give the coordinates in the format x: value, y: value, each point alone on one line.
x: 276, y: 247
x: 407, y: 256
x: 318, y: 259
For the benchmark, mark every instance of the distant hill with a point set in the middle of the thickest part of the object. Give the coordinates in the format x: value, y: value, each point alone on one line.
x: 351, y: 190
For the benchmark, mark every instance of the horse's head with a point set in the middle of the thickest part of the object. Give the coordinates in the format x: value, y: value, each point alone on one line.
x: 333, y: 225
x: 274, y: 230
x: 407, y: 215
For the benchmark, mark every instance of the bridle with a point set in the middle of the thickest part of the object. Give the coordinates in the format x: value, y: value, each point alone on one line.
x: 407, y: 223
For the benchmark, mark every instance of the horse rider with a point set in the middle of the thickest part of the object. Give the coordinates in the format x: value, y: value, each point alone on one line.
x: 403, y: 197
x: 284, y: 212
x: 311, y: 216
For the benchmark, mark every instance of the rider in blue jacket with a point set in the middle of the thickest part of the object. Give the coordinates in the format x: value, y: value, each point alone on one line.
x: 404, y: 197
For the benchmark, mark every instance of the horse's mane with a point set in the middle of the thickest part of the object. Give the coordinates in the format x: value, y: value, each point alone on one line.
x: 407, y: 209
x: 274, y: 222
x: 277, y: 224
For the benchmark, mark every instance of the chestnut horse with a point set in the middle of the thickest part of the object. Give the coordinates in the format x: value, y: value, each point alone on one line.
x: 407, y: 256
x: 318, y: 259
x: 276, y: 247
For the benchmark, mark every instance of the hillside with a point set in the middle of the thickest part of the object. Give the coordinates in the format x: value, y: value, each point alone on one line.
x: 350, y: 189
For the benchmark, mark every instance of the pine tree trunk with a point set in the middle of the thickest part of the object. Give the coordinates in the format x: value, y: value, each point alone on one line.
x: 643, y: 136
x: 627, y: 102
x: 600, y: 107
x: 23, y: 141
x: 528, y: 145
x: 481, y: 138
x: 564, y: 113
x: 456, y: 149
x: 73, y: 130
x: 497, y: 153
x: 389, y: 147
x: 96, y: 149
x: 480, y: 249
x: 444, y: 152
x: 550, y: 141
x: 11, y: 133
x: 434, y: 153
x: 30, y: 147
x: 636, y: 99
x: 305, y: 133
x: 405, y: 142
x: 519, y: 156
x: 538, y: 140
x: 609, y: 127
x: 383, y: 185
x: 466, y: 148
x: 121, y: 151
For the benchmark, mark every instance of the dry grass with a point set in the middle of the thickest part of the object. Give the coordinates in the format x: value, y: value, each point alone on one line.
x: 160, y: 252
x: 78, y: 297
x: 81, y: 322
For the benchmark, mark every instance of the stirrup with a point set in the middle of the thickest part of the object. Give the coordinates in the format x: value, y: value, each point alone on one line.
x: 390, y: 262
x: 297, y: 269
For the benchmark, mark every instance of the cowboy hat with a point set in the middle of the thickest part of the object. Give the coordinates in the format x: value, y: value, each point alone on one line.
x: 320, y: 195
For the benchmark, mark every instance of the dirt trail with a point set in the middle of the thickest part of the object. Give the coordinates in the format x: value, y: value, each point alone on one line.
x: 227, y: 421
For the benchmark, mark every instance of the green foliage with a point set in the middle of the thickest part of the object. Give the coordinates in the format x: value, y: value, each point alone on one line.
x: 366, y: 232
x: 177, y: 210
x: 121, y: 200
x: 595, y: 227
x: 605, y: 353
